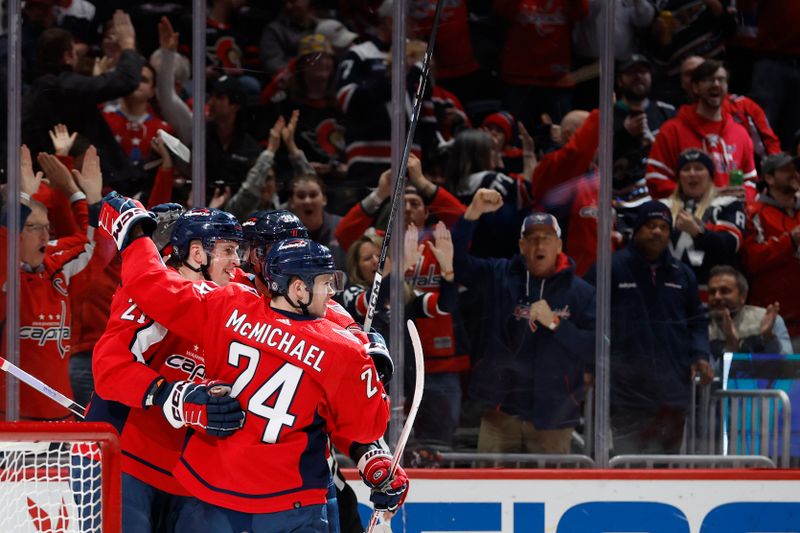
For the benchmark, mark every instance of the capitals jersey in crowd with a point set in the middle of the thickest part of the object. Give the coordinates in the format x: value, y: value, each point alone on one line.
x: 135, y: 133
x: 133, y: 353
x: 45, y: 316
x: 724, y: 221
x: 454, y: 54
x: 298, y: 377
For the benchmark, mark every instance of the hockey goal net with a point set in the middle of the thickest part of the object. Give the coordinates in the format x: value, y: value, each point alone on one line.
x: 59, y: 477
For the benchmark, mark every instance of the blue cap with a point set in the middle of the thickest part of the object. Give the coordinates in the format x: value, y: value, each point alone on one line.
x: 539, y: 219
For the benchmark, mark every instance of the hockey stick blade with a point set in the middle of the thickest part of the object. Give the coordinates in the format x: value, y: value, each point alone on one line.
x: 419, y: 367
x: 17, y: 372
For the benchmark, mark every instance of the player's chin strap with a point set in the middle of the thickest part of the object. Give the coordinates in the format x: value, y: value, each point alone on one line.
x: 303, y: 306
x: 202, y: 269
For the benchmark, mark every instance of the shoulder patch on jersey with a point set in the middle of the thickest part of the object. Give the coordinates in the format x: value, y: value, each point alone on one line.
x: 205, y: 287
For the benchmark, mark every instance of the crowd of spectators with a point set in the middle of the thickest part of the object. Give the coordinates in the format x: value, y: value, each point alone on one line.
x: 502, y: 189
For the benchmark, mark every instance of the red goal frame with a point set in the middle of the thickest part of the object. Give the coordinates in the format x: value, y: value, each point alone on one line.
x: 101, y: 433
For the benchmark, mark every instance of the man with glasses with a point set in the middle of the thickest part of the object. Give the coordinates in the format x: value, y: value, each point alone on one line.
x: 49, y: 274
x: 706, y: 125
x: 530, y: 375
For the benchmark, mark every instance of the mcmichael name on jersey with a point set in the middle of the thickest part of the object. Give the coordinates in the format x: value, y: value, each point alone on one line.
x: 274, y: 337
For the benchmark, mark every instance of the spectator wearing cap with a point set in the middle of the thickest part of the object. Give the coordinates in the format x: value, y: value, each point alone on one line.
x: 308, y: 85
x: 230, y: 150
x: 637, y: 119
x: 629, y: 19
x: 771, y: 253
x: 529, y: 376
x: 339, y: 36
x: 744, y: 110
x: 501, y: 126
x: 659, y: 338
x: 737, y: 327
x: 706, y: 125
x: 708, y: 227
x: 281, y: 37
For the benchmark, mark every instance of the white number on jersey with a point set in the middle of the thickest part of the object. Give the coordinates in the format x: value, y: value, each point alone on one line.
x: 367, y: 376
x: 284, y: 382
x: 128, y: 314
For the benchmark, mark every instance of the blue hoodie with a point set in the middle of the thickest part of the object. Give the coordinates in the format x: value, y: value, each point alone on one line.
x: 529, y: 371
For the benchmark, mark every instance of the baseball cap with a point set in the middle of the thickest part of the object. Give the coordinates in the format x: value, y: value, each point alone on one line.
x: 773, y: 162
x: 314, y: 43
x: 648, y: 211
x: 336, y: 32
x: 635, y: 59
x: 539, y: 219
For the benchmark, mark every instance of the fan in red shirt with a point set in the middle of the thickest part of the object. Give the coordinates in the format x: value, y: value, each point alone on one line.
x: 708, y: 126
x: 134, y: 123
x: 49, y: 273
x: 278, y: 357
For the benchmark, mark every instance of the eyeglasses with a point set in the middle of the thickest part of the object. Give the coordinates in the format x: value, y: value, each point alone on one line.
x: 36, y: 228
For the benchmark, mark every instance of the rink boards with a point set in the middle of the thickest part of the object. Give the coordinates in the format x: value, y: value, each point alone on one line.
x: 599, y: 501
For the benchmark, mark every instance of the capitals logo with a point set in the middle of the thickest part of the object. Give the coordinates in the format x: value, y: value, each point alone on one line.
x: 523, y: 312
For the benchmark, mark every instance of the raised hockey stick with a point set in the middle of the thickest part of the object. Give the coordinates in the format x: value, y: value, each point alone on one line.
x: 42, y: 387
x: 419, y: 366
x: 399, y: 185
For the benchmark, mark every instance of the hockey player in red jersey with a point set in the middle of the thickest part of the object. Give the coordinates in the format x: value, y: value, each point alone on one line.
x: 262, y: 230
x: 48, y: 272
x: 276, y: 357
x: 137, y: 361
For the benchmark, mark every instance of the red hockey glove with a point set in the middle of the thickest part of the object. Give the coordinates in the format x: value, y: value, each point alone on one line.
x: 388, y: 493
x: 207, y: 406
x: 120, y: 215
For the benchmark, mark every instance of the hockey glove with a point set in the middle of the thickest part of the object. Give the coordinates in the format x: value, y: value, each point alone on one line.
x: 207, y: 406
x: 377, y: 349
x: 120, y: 215
x: 165, y: 215
x: 387, y: 492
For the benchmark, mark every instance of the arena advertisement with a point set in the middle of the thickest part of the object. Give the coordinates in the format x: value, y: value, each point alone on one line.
x: 559, y: 501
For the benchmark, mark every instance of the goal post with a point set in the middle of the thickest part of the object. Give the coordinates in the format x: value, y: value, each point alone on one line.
x: 60, y: 477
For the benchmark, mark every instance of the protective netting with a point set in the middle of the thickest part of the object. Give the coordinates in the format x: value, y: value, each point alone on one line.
x: 50, y: 487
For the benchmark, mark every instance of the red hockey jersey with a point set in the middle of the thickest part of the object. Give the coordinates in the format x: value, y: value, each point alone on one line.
x: 453, y: 53
x: 727, y: 142
x: 772, y: 259
x: 131, y: 355
x: 45, y: 315
x: 538, y: 46
x: 134, y: 133
x: 299, y: 378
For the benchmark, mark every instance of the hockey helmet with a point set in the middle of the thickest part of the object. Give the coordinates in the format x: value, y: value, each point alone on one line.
x: 299, y: 258
x: 207, y: 225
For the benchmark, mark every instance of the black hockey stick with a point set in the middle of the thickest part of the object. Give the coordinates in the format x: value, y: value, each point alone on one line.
x: 399, y: 185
